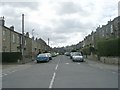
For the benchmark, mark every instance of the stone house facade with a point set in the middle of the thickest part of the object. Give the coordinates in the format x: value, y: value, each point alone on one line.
x: 11, y: 41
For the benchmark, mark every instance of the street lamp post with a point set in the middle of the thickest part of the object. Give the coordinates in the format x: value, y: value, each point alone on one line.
x: 23, y: 39
x: 48, y: 44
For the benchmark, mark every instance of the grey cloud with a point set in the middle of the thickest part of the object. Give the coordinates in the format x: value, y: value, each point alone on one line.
x: 119, y: 8
x: 9, y: 12
x: 13, y: 17
x: 30, y: 5
x: 71, y: 26
x: 71, y: 8
x: 55, y: 37
x: 68, y: 8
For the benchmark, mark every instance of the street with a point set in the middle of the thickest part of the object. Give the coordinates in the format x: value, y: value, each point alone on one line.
x: 60, y: 72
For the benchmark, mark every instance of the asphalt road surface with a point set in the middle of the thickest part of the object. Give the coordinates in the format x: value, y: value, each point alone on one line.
x: 60, y: 72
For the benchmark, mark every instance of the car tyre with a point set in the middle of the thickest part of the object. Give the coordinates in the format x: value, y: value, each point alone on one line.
x: 37, y: 61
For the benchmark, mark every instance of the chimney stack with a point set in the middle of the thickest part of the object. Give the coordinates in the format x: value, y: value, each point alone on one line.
x: 27, y: 34
x: 2, y: 21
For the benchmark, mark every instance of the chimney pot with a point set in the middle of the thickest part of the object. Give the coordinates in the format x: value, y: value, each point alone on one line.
x: 12, y: 28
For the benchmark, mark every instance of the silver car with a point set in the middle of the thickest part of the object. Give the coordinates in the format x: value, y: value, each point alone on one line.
x: 77, y: 57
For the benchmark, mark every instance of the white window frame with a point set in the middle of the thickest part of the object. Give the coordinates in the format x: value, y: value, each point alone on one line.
x: 111, y: 28
x: 103, y: 33
x: 13, y: 38
x: 4, y: 32
x: 3, y: 35
x: 25, y: 42
x: 18, y: 39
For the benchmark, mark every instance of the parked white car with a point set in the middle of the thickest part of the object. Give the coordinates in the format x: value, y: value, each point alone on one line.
x: 77, y: 57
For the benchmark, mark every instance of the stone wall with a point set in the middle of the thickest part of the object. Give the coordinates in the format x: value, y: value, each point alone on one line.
x: 107, y: 60
x: 92, y: 57
x: 110, y: 60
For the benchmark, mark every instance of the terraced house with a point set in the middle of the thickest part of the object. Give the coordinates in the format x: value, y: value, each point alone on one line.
x: 11, y: 42
x: 109, y: 31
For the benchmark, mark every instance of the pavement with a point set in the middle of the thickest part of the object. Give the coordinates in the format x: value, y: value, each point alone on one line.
x: 101, y: 65
x: 61, y: 72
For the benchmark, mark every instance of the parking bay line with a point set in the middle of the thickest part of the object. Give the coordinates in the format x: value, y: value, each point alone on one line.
x: 66, y: 63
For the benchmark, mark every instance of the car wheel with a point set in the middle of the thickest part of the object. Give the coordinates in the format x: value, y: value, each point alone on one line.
x: 37, y: 61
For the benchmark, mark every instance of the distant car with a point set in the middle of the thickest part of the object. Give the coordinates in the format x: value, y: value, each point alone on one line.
x: 53, y: 54
x: 77, y: 57
x: 49, y: 55
x: 42, y: 57
x: 67, y: 53
x: 71, y: 54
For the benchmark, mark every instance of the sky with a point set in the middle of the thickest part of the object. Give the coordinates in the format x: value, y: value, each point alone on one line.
x: 64, y: 22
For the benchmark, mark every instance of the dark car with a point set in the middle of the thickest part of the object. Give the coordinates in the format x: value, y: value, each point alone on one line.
x: 42, y: 58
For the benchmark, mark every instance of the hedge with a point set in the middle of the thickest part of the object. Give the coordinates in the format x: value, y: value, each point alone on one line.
x: 109, y: 47
x: 11, y: 56
x: 86, y: 51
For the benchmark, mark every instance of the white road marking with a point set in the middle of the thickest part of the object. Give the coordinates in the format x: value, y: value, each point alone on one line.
x: 12, y: 71
x: 8, y: 72
x: 4, y: 74
x: 0, y: 75
x: 53, y: 78
x: 56, y: 67
x: 114, y: 72
x: 78, y: 63
x: 67, y: 63
x: 101, y: 67
x: 52, y: 81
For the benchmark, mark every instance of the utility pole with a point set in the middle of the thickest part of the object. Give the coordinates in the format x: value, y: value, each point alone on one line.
x: 23, y: 39
x: 32, y: 32
x: 48, y: 41
x: 32, y: 45
x: 48, y: 44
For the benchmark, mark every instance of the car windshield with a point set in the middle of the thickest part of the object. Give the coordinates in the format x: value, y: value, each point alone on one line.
x: 77, y: 54
x: 41, y: 55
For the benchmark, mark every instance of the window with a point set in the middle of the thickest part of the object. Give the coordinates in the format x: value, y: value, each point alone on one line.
x: 111, y: 28
x: 103, y: 33
x: 3, y: 33
x: 13, y: 38
x: 92, y: 38
x: 18, y: 39
x: 25, y: 43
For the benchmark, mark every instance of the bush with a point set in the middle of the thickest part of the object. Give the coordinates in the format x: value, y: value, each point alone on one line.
x: 86, y: 51
x: 109, y: 47
x: 11, y: 56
